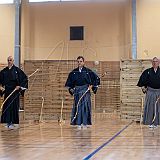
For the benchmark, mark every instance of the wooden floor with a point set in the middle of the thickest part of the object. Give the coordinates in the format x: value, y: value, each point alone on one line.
x: 108, y: 139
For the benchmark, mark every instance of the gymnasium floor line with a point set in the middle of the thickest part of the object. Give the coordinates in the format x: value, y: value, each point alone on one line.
x: 107, y: 142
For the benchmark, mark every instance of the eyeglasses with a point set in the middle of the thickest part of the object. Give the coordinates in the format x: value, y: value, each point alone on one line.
x: 154, y: 61
x: 9, y: 60
x: 79, y: 61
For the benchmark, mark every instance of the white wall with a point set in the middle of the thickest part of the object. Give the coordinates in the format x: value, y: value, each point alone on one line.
x: 7, y: 13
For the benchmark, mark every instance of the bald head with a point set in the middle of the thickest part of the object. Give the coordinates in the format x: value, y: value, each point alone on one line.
x: 155, y: 62
x: 10, y: 61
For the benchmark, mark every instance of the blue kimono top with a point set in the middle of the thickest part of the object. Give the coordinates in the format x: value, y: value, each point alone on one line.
x: 85, y: 77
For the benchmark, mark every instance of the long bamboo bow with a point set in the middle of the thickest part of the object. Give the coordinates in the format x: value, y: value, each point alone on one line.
x: 77, y: 106
x: 22, y: 88
x: 7, y: 98
x: 155, y: 110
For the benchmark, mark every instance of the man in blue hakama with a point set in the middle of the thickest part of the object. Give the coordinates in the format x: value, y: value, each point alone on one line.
x: 79, y: 82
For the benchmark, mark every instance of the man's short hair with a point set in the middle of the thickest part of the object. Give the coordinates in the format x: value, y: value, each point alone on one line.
x: 79, y: 57
x: 155, y: 58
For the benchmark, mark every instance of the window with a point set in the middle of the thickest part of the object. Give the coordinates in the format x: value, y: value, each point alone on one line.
x: 76, y: 33
x: 54, y: 0
x: 42, y: 0
x: 6, y: 1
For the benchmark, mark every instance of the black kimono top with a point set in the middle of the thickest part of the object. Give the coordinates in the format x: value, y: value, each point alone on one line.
x: 10, y: 78
x: 150, y: 78
x: 86, y: 76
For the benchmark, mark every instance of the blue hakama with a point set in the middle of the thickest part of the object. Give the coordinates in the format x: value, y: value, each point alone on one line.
x: 81, y: 114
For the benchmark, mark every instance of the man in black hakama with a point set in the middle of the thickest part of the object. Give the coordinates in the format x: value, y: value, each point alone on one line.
x: 12, y: 78
x: 150, y: 83
x: 80, y: 81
